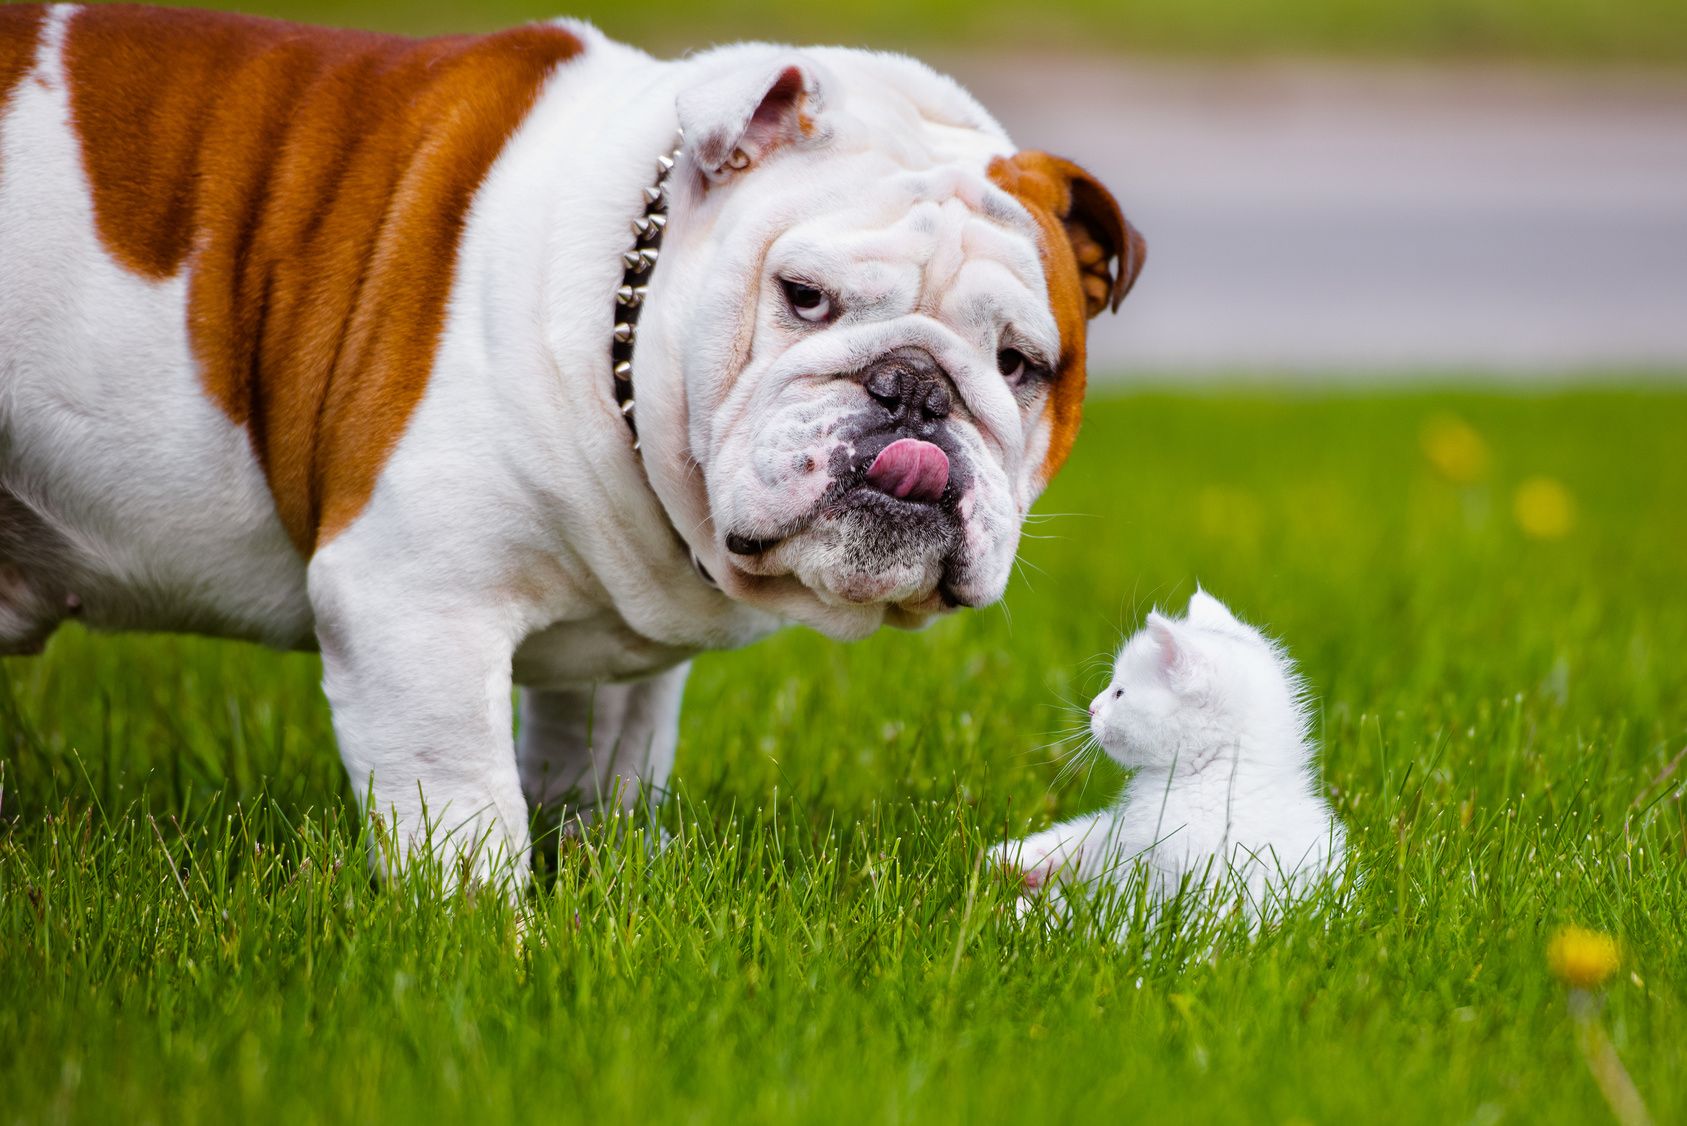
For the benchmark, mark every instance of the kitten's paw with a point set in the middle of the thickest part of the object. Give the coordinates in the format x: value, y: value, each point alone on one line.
x: 1032, y: 863
x: 1005, y: 859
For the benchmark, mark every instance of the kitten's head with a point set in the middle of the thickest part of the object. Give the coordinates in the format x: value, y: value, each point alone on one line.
x: 1185, y: 691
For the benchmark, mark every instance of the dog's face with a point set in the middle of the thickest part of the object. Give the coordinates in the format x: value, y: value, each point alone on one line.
x: 869, y: 328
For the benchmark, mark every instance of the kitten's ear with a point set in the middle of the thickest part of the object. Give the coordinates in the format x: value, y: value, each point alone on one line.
x: 1209, y: 613
x: 1173, y: 646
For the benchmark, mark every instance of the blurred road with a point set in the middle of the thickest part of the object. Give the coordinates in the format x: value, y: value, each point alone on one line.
x: 1338, y: 221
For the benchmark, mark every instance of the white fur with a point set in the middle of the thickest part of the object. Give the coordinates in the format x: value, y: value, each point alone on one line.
x: 1224, y: 803
x: 514, y: 537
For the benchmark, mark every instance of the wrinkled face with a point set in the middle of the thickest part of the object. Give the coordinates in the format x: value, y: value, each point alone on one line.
x: 1185, y: 689
x: 879, y: 442
x: 879, y: 374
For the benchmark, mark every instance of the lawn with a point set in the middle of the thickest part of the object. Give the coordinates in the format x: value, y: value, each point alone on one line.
x: 1486, y: 592
x: 1578, y: 31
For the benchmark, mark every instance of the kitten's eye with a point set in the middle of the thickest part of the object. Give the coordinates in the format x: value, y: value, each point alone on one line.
x: 809, y: 303
x: 1117, y: 692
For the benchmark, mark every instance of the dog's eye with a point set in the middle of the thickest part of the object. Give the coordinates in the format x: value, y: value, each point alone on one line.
x: 1013, y: 365
x: 809, y: 303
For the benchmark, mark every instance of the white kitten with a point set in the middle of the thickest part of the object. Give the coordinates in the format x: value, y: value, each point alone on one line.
x: 1225, y: 800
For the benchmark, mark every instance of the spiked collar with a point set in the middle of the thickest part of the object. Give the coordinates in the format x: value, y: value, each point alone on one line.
x: 637, y: 264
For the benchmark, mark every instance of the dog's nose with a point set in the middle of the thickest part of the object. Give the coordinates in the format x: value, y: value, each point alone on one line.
x: 911, y: 386
x: 909, y: 397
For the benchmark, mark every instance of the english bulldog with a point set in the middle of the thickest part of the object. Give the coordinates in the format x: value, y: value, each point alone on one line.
x: 524, y: 359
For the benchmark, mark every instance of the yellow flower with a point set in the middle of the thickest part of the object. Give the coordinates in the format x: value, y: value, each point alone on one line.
x: 1544, y: 509
x: 1582, y: 959
x: 1456, y: 450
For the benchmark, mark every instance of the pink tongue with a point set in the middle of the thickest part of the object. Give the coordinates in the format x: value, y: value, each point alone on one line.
x: 910, y: 469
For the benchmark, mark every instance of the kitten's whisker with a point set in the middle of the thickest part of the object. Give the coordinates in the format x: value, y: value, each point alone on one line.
x: 1069, y: 731
x: 1073, y: 706
x: 1068, y: 741
x: 1072, y: 714
x: 1068, y: 707
x: 1097, y: 665
x: 1080, y: 758
x: 1059, y: 741
x: 1093, y: 755
x: 1034, y: 756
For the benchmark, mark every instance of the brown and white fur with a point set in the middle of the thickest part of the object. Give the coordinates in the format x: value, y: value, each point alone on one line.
x: 304, y: 339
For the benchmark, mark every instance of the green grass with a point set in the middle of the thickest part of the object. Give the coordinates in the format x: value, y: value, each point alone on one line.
x: 188, y: 933
x: 1601, y: 31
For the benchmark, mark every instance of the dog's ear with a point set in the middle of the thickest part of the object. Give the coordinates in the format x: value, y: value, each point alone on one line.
x: 1101, y: 236
x: 1109, y: 251
x: 734, y: 121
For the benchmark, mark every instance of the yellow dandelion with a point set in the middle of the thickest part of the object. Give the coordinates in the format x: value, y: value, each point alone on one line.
x: 1544, y: 508
x: 1581, y: 958
x: 1454, y: 448
x: 1584, y: 960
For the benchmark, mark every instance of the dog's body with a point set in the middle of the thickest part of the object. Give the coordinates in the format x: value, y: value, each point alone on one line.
x: 304, y: 338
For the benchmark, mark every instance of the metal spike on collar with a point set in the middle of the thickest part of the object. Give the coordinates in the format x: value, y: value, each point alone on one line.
x: 637, y: 263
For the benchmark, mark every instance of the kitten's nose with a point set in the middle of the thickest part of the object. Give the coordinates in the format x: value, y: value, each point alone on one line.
x: 1092, y: 711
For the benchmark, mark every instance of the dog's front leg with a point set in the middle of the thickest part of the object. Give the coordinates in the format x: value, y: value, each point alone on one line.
x: 419, y: 683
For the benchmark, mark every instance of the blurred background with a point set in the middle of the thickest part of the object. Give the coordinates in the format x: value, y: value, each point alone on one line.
x: 1332, y: 190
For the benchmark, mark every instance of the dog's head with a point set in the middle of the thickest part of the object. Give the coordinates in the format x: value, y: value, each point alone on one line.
x: 863, y: 354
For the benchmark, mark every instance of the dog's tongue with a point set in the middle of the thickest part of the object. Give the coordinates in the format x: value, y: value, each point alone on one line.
x: 910, y: 469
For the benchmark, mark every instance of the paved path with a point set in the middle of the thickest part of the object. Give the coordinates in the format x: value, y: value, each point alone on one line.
x: 1334, y: 222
